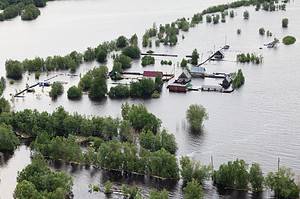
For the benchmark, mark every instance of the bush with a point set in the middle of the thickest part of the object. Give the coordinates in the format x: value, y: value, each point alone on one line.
x: 262, y: 31
x: 124, y: 60
x: 121, y: 42
x: 132, y: 51
x: 195, y: 57
x: 195, y: 115
x: 119, y: 92
x: 8, y: 140
x: 148, y: 60
x: 246, y: 15
x: 289, y: 40
x: 56, y: 90
x: 14, y: 69
x: 238, y: 80
x: 184, y: 63
x: 283, y: 184
x: 285, y: 22
x: 193, y: 190
x: 74, y: 93
x: 30, y: 12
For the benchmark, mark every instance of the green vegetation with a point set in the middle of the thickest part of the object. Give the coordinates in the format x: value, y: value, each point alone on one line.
x: 195, y: 115
x: 246, y: 15
x: 107, y: 187
x: 159, y: 194
x: 247, y: 58
x: 2, y: 85
x: 184, y: 63
x: 283, y: 184
x: 57, y: 89
x: 239, y: 31
x: 119, y: 92
x: 148, y: 60
x: 195, y: 57
x: 256, y: 178
x: 191, y: 170
x: 74, y: 93
x: 238, y: 79
x: 233, y: 175
x: 289, y: 40
x: 14, y: 69
x: 8, y: 140
x: 132, y: 51
x: 166, y: 62
x: 193, y: 190
x: 285, y: 22
x: 124, y: 60
x: 30, y: 12
x: 4, y: 105
x: 94, y: 81
x: 89, y: 55
x: 38, y: 181
x: 262, y: 31
x: 140, y: 118
x: 143, y: 88
x: 122, y: 42
x: 152, y: 142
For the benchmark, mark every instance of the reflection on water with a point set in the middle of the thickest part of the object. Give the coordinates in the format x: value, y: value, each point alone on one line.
x: 258, y: 123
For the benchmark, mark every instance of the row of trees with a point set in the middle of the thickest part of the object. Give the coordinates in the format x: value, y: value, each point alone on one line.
x: 247, y: 58
x: 238, y: 175
x: 145, y: 88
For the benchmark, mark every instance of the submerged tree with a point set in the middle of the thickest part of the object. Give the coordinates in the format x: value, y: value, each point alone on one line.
x: 193, y: 190
x: 195, y: 115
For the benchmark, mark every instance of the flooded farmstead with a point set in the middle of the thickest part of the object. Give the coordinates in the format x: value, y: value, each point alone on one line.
x: 149, y: 99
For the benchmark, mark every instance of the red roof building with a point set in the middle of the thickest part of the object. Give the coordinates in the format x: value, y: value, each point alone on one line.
x: 152, y: 74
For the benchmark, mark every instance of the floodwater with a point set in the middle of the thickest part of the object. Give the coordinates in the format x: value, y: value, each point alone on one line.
x: 258, y: 123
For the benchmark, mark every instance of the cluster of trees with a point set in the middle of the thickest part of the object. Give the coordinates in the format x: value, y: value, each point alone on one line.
x: 4, y: 105
x: 30, y: 12
x: 57, y: 89
x: 238, y: 79
x: 270, y: 6
x: 14, y: 69
x: 94, y: 81
x: 28, y: 9
x: 238, y: 175
x: 8, y: 140
x: 124, y: 157
x: 60, y: 123
x: 195, y: 115
x: 150, y: 33
x: 155, y: 142
x: 247, y: 58
x: 38, y: 181
x: 145, y: 88
x: 289, y: 40
x: 148, y: 60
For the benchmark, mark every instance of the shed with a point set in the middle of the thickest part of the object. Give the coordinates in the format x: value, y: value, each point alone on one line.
x: 218, y: 55
x: 177, y: 88
x: 184, y: 77
x: 197, y: 71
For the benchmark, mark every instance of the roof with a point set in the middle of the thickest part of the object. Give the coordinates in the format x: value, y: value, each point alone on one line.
x: 195, y: 69
x: 219, y: 53
x: 185, y: 75
x: 152, y: 74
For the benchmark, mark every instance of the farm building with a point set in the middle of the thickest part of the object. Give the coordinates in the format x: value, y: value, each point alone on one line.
x: 219, y: 55
x: 184, y: 78
x: 197, y: 71
x: 177, y: 88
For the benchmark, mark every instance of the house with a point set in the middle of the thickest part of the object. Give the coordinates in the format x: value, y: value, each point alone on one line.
x: 177, y: 88
x: 184, y: 78
x: 197, y: 71
x: 219, y: 55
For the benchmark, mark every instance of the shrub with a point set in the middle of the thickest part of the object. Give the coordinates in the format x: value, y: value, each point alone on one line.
x: 148, y: 60
x: 14, y: 69
x: 30, y: 12
x: 132, y: 51
x: 56, y: 90
x: 289, y: 40
x: 195, y: 116
x: 285, y: 22
x: 122, y: 42
x: 74, y: 93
